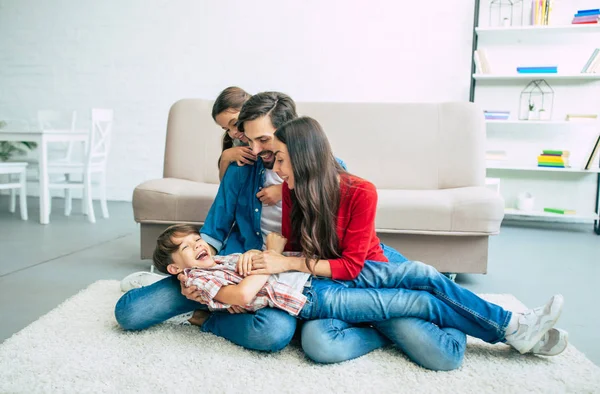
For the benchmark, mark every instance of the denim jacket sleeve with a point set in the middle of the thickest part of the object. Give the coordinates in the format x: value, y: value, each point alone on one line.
x: 221, y: 215
x: 341, y: 163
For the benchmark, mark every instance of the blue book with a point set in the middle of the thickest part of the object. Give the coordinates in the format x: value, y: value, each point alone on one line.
x: 587, y: 13
x: 537, y: 70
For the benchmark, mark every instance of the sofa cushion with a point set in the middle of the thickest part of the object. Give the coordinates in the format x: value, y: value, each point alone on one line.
x: 467, y: 210
x: 170, y: 200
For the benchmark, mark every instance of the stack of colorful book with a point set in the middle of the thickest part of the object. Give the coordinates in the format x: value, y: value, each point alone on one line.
x: 496, y: 115
x: 585, y: 17
x: 554, y: 159
x: 538, y: 70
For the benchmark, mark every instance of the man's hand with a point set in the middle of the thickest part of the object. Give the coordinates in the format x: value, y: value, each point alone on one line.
x: 269, y: 262
x: 192, y: 292
x: 276, y: 242
x: 236, y: 309
x: 270, y: 195
x: 244, y: 264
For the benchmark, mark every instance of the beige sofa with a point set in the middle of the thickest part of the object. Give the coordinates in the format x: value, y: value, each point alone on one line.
x: 427, y: 161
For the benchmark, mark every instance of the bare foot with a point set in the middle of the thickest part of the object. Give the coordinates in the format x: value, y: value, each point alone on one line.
x: 199, y: 317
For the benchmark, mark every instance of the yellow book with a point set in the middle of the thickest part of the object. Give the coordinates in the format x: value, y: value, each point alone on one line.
x: 551, y: 159
x: 543, y: 12
x: 536, y: 9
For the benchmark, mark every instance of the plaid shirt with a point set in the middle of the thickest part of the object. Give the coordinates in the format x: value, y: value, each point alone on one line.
x: 273, y: 294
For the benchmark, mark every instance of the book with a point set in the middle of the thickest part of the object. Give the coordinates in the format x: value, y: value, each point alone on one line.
x: 556, y: 152
x: 552, y: 165
x: 593, y: 154
x: 581, y: 117
x: 590, y: 18
x: 485, y: 64
x: 537, y: 70
x: 495, y: 155
x: 590, y: 61
x: 594, y: 11
x: 560, y: 211
x: 547, y: 159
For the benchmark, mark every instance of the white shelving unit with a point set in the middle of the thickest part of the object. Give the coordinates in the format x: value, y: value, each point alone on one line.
x: 500, y: 77
x: 493, y: 166
x: 564, y: 45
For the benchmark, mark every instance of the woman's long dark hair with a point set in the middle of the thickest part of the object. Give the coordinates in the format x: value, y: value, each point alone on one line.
x: 316, y: 193
x: 232, y: 98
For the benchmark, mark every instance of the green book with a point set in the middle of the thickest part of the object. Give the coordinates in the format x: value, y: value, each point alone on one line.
x: 560, y: 211
x: 555, y: 152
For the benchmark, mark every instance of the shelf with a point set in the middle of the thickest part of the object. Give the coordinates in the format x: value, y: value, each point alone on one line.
x: 538, y: 29
x: 536, y: 215
x: 500, y: 77
x: 532, y: 168
x: 531, y: 122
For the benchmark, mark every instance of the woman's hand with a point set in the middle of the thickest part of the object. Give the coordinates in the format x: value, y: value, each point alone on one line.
x: 270, y: 195
x: 244, y: 264
x: 240, y: 154
x: 269, y: 262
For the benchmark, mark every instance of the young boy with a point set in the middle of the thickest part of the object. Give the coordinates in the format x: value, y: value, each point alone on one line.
x: 181, y: 250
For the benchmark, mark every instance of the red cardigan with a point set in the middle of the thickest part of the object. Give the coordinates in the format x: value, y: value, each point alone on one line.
x: 355, y: 226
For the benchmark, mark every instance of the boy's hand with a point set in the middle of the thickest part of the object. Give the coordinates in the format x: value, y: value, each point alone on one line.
x: 270, y: 195
x: 276, y: 242
x: 244, y: 264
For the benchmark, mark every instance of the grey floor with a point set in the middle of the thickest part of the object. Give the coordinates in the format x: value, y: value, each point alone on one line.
x: 41, y: 266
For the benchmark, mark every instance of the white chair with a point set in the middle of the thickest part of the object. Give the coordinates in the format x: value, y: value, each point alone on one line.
x: 93, y: 163
x: 56, y: 120
x: 20, y: 169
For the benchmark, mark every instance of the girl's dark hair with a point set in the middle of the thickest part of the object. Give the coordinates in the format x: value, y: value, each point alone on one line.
x: 230, y: 98
x: 165, y: 245
x: 316, y: 193
x: 279, y: 106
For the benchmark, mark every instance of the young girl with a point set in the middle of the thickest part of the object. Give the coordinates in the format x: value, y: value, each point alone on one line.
x: 225, y: 111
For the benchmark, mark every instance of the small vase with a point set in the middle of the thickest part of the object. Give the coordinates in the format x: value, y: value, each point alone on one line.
x: 544, y: 115
x: 532, y: 115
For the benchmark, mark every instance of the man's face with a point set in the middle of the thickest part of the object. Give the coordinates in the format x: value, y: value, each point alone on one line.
x: 260, y: 137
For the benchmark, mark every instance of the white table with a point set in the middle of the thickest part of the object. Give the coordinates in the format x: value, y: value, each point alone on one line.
x: 42, y: 138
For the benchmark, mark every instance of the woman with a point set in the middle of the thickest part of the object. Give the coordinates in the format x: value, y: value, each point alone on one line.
x: 329, y: 215
x: 234, y: 146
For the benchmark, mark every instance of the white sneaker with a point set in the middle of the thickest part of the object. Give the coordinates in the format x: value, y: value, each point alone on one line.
x: 534, y: 324
x: 554, y: 342
x: 139, y: 279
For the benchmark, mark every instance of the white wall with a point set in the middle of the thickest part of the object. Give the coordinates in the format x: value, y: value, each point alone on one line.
x: 139, y: 57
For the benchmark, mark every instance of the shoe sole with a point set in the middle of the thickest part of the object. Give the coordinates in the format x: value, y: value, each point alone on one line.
x: 558, y: 299
x: 566, y: 336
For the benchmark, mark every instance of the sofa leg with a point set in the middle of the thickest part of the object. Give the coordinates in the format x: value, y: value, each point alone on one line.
x: 450, y: 276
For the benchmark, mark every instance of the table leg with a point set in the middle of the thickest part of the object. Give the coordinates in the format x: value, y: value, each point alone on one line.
x: 44, y: 192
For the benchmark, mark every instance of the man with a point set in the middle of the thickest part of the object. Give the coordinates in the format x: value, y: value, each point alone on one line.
x: 247, y: 206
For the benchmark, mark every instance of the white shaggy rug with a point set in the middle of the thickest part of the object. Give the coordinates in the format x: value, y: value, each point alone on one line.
x: 78, y: 348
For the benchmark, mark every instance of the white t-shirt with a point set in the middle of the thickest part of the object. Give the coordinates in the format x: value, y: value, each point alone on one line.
x: 270, y: 220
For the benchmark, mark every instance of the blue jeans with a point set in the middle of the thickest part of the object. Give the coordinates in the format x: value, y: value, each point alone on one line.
x: 445, y: 304
x: 267, y: 330
x: 432, y: 347
x: 332, y: 340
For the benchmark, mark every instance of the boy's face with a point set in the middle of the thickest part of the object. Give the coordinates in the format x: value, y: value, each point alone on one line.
x: 193, y: 252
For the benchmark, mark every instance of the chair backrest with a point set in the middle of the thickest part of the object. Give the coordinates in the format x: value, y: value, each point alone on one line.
x: 50, y: 119
x: 102, y: 121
